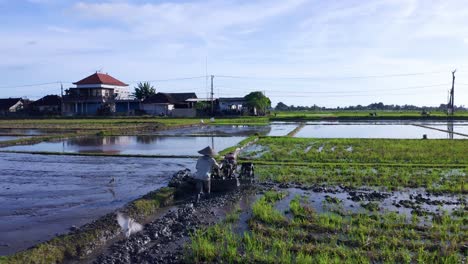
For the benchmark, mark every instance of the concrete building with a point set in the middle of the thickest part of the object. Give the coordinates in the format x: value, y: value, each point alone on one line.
x: 95, y: 94
x: 232, y: 105
x: 10, y: 105
x: 49, y: 104
x: 170, y: 104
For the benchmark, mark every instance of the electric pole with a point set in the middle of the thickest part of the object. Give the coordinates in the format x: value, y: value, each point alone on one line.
x: 212, y: 94
x: 451, y: 102
x: 61, y: 98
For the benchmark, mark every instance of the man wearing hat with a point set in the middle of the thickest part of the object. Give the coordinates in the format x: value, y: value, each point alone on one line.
x: 205, y: 166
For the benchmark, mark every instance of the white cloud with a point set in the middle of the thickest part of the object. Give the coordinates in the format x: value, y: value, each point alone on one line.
x: 58, y: 29
x: 202, y: 19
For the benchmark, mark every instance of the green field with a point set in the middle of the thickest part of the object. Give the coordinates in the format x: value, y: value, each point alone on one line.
x: 388, y: 151
x: 362, y: 115
x: 302, y: 235
x: 121, y: 123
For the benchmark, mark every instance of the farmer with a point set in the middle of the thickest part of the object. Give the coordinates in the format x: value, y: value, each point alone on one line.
x: 205, y: 166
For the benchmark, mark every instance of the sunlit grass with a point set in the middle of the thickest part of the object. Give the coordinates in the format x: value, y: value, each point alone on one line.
x: 311, y: 237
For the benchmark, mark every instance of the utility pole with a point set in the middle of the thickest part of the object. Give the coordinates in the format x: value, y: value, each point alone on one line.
x: 212, y: 94
x: 451, y: 102
x: 61, y: 98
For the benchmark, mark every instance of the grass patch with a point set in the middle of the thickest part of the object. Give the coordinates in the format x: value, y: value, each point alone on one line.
x: 327, y: 237
x: 452, y: 180
x: 241, y: 145
x: 389, y: 151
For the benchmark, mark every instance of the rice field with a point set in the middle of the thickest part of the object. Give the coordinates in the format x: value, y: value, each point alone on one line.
x: 347, y: 201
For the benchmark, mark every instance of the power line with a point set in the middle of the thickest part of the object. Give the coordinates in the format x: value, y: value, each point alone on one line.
x: 346, y: 91
x: 30, y: 85
x: 329, y: 78
x: 352, y: 95
x: 169, y: 80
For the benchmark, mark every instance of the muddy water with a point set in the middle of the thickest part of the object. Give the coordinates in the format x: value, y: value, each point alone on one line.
x: 385, y: 122
x: 405, y: 202
x: 132, y: 145
x: 371, y: 131
x: 232, y: 130
x: 6, y: 138
x: 44, y: 195
x: 217, y: 130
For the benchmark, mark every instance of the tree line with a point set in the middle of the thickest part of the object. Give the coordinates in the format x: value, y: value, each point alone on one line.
x: 371, y: 107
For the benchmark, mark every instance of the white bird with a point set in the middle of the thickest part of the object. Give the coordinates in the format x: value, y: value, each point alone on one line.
x: 128, y: 225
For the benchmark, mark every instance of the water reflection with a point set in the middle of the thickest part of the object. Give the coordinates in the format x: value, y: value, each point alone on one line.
x: 6, y: 138
x: 450, y: 129
x: 133, y: 145
x: 218, y: 130
x: 377, y: 131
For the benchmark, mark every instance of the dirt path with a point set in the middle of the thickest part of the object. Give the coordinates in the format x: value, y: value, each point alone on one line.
x: 163, y: 240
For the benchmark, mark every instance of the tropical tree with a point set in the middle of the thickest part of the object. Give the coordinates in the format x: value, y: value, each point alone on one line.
x: 144, y: 90
x: 281, y: 106
x: 257, y: 100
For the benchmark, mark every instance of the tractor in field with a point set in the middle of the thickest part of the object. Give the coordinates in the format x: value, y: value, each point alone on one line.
x: 229, y: 176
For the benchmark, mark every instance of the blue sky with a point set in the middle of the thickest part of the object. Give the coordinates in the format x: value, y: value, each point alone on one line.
x: 301, y: 52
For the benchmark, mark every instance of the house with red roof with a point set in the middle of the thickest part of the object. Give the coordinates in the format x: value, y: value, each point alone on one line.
x: 95, y: 94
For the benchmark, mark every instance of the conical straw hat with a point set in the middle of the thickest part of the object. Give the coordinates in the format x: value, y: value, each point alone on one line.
x: 208, y: 151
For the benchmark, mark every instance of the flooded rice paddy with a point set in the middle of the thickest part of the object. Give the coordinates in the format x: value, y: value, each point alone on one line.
x: 374, y: 131
x: 26, y: 132
x: 404, y: 202
x: 231, y: 130
x: 396, y: 129
x: 132, y: 145
x: 44, y: 195
x: 6, y: 138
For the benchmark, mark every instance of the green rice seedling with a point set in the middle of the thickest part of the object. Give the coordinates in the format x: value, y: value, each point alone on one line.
x: 274, y: 196
x: 264, y: 211
x: 233, y: 216
x: 202, y: 248
x: 371, y: 206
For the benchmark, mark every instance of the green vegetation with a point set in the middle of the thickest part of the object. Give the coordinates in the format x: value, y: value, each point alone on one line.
x: 144, y: 90
x: 258, y: 101
x: 437, y: 165
x: 78, y: 245
x: 240, y: 145
x: 122, y: 123
x: 354, y: 115
x: 453, y: 180
x: 332, y: 237
x: 388, y: 151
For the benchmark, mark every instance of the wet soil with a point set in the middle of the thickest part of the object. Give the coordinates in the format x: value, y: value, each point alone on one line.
x: 406, y: 201
x: 163, y: 240
x: 42, y: 196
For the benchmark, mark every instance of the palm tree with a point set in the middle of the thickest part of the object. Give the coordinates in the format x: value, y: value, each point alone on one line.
x: 144, y: 90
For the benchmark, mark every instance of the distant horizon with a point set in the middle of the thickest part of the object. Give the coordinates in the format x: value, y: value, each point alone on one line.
x: 300, y: 52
